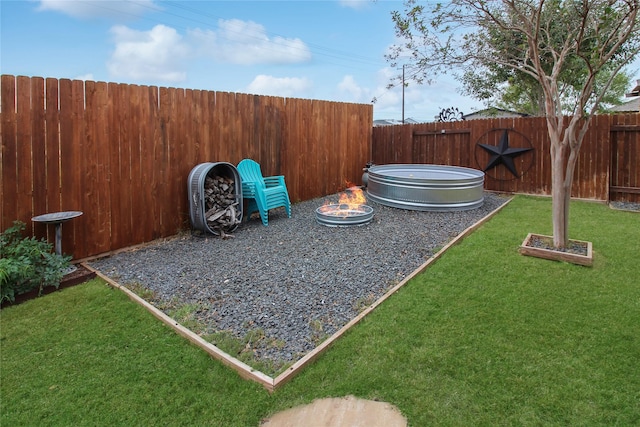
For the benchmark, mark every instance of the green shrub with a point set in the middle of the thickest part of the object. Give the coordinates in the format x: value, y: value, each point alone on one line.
x: 27, y: 263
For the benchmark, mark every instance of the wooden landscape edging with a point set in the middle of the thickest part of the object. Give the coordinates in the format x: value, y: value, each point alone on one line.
x: 246, y: 371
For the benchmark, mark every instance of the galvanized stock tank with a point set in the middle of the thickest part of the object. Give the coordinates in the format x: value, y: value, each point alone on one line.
x: 425, y: 187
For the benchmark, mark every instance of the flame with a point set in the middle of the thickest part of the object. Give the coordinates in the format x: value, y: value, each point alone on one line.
x: 353, y: 197
x: 350, y: 200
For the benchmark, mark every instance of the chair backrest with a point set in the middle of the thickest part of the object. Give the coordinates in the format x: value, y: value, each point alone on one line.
x: 250, y: 172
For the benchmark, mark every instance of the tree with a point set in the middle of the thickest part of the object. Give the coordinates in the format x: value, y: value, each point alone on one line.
x: 546, y: 40
x: 514, y: 90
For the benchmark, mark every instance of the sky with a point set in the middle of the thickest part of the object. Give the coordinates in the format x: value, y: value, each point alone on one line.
x: 330, y: 50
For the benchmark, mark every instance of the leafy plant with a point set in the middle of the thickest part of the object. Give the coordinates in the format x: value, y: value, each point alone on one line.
x: 27, y: 263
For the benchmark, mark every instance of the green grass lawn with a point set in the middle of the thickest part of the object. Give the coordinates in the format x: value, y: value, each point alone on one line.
x: 484, y: 336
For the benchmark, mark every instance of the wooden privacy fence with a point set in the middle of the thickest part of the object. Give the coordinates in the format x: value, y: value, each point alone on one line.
x: 608, y: 167
x: 122, y: 154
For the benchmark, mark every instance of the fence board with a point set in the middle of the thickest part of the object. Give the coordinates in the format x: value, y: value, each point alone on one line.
x: 338, y: 153
x: 307, y: 130
x: 162, y: 156
x: 95, y: 185
x: 176, y: 188
x: 117, y: 179
x: 24, y: 169
x: 8, y: 170
x: 141, y: 211
x: 601, y: 171
x: 191, y: 115
x: 199, y: 138
x: 71, y: 124
x: 38, y: 155
x: 296, y: 159
x: 52, y: 142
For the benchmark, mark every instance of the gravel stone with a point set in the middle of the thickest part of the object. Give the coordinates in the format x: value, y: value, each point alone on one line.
x: 625, y: 206
x: 296, y: 280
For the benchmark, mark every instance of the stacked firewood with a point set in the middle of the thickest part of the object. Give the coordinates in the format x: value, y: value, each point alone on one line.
x: 221, y: 207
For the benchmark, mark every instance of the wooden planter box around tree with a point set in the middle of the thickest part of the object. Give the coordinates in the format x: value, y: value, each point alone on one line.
x: 574, y: 258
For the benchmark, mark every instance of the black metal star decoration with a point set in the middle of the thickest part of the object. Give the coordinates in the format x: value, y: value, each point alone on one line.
x: 503, y: 154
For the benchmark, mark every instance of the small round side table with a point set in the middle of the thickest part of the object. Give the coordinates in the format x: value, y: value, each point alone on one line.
x: 57, y: 218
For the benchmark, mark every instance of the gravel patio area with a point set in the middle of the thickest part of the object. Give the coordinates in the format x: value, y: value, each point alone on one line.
x: 295, y: 280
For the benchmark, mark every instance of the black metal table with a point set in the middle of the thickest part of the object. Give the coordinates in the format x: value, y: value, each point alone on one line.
x: 57, y: 218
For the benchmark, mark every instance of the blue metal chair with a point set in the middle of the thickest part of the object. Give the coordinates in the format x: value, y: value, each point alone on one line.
x: 262, y: 193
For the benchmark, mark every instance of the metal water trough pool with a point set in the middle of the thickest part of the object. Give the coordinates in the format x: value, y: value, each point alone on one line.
x: 426, y: 187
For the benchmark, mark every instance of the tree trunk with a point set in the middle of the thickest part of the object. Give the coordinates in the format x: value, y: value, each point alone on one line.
x: 559, y: 195
x: 564, y: 156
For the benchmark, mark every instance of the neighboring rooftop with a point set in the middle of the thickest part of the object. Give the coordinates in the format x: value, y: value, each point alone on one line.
x: 635, y: 91
x: 391, y: 122
x: 492, y: 112
x: 632, y: 106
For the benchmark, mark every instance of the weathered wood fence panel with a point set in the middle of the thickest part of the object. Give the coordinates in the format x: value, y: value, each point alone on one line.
x: 608, y: 157
x: 122, y: 153
x: 625, y: 158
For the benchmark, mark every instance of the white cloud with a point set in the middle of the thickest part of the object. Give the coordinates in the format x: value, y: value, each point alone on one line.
x: 354, y: 4
x: 111, y: 9
x: 85, y: 77
x: 387, y: 98
x: 162, y: 54
x: 247, y: 43
x: 291, y: 87
x: 157, y: 54
x: 350, y: 90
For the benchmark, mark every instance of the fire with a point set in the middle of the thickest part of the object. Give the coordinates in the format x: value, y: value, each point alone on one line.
x: 352, y: 199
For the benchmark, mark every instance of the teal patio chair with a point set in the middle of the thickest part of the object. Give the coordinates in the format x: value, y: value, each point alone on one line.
x: 262, y: 193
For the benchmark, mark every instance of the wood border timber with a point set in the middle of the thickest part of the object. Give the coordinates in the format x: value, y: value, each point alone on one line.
x: 554, y: 255
x: 246, y: 371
